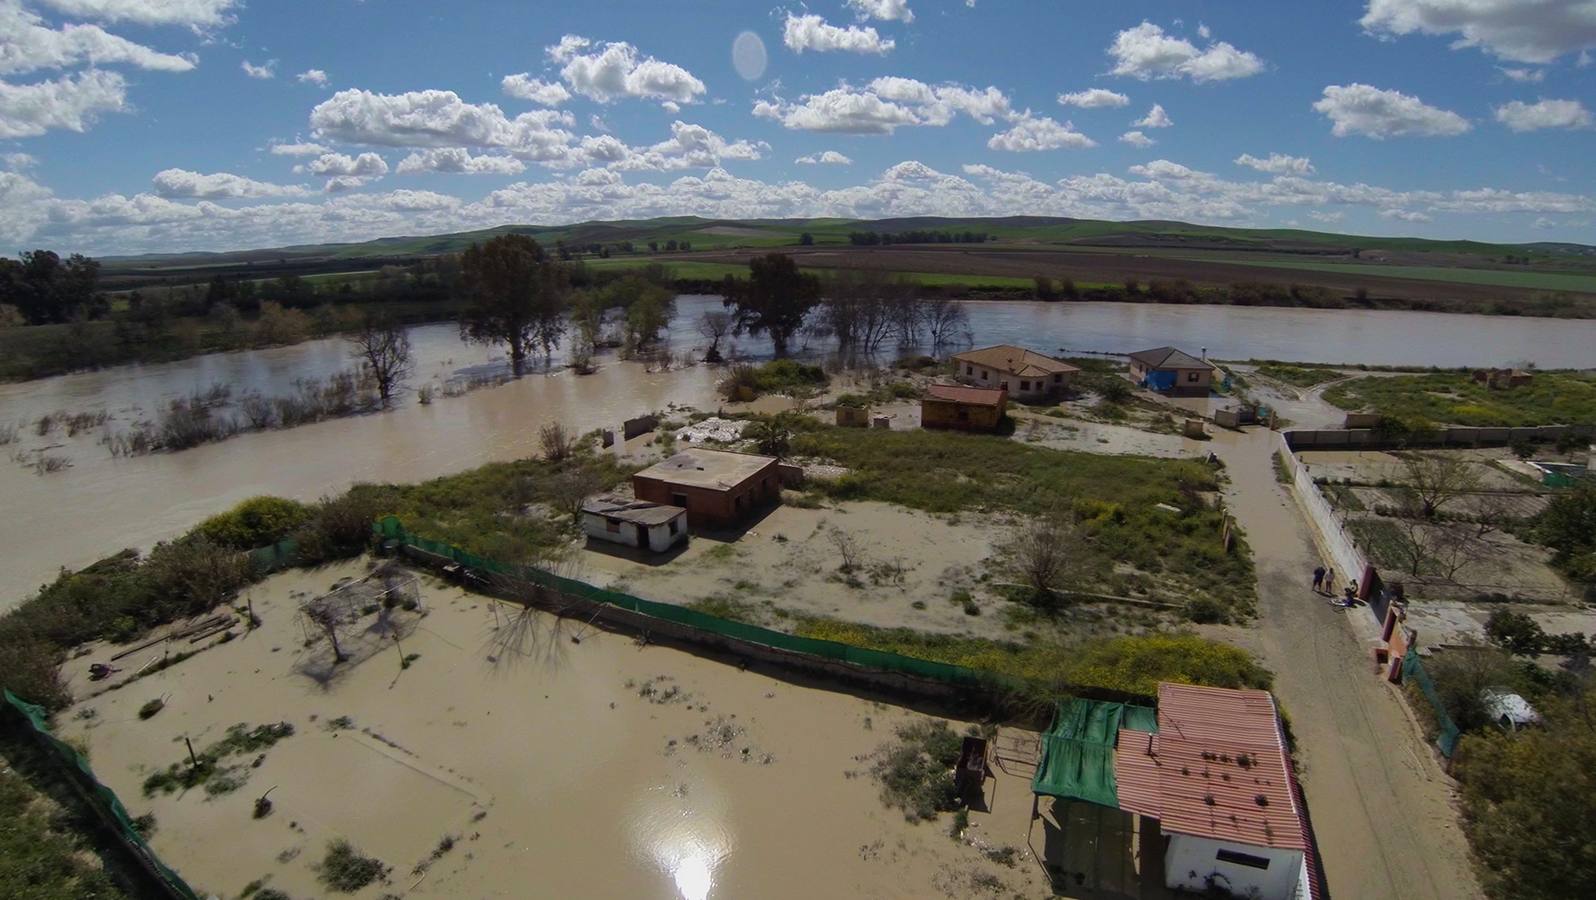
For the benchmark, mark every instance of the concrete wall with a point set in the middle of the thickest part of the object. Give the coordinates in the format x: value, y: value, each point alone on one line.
x: 631, y: 428
x: 707, y: 508
x: 853, y: 416
x: 1190, y: 860
x: 659, y: 537
x: 936, y: 413
x: 1348, y: 561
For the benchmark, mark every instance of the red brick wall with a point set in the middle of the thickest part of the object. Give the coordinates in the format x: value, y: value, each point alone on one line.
x: 713, y: 508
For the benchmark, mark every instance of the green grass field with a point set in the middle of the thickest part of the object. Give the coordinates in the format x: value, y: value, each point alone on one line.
x: 1112, y: 499
x: 1453, y: 398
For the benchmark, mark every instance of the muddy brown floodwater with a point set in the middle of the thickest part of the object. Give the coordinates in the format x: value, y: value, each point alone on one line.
x: 100, y: 504
x: 559, y: 769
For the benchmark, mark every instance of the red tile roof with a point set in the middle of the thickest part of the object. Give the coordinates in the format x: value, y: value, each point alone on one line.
x: 972, y: 395
x: 1192, y: 775
x: 1016, y: 361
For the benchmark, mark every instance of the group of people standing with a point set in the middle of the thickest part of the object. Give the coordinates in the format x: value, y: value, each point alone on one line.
x: 1324, y: 584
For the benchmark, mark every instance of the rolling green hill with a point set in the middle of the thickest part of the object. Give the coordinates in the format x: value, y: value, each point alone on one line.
x: 708, y: 234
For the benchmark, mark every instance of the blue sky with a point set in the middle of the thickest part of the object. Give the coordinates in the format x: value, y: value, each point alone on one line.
x: 164, y: 125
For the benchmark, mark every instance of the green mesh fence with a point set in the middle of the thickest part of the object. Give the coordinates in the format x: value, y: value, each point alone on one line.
x: 389, y: 528
x: 272, y: 557
x: 1448, y: 732
x: 102, y: 798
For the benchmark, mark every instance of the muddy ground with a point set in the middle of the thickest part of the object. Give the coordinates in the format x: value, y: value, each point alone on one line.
x: 509, y: 760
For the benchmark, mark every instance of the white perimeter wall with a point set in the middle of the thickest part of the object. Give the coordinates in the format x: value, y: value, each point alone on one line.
x: 1344, y: 553
x: 1190, y: 860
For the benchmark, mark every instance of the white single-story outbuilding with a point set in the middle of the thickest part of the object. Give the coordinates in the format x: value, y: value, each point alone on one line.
x: 634, y: 523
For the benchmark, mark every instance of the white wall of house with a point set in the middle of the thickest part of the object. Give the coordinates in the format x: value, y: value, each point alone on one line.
x: 1038, y: 388
x: 1190, y: 860
x: 660, y: 537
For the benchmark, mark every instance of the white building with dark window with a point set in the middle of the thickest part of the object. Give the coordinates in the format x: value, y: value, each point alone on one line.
x: 1026, y: 375
x: 634, y: 523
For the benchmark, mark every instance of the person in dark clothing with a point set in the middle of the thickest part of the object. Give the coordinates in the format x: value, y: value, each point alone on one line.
x: 1318, y: 578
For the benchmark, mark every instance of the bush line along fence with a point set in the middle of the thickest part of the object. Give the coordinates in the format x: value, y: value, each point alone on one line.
x: 100, y: 798
x: 829, y: 659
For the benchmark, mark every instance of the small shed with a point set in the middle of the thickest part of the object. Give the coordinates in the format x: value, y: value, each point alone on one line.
x: 718, y: 488
x: 963, y: 408
x: 634, y: 523
x: 1171, y: 371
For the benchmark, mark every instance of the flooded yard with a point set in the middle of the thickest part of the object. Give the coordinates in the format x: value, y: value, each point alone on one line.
x: 521, y: 755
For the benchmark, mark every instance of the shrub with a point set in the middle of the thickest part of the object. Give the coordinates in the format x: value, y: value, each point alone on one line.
x: 255, y: 522
x: 916, y: 771
x: 193, y: 574
x: 148, y: 710
x: 339, y: 527
x: 1204, y: 611
x: 346, y: 871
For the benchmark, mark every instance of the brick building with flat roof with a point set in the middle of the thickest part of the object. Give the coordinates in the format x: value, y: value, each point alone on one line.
x: 718, y: 488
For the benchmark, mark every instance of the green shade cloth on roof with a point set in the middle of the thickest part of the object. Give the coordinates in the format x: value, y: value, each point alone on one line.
x: 1078, y: 751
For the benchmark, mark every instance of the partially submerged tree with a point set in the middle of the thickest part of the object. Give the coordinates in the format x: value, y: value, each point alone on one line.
x: 327, y: 616
x: 946, y: 322
x: 774, y: 300
x: 517, y: 297
x: 556, y: 441
x: 382, y: 347
x: 714, y: 326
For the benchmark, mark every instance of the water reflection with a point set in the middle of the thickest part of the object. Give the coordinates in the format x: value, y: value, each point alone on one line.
x: 683, y: 830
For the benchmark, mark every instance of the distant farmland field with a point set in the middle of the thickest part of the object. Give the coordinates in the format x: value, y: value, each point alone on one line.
x: 1528, y: 280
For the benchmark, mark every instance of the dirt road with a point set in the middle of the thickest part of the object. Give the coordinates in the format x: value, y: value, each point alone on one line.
x: 1382, y: 809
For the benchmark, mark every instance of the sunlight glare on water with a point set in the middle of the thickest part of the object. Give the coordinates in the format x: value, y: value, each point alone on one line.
x: 684, y: 829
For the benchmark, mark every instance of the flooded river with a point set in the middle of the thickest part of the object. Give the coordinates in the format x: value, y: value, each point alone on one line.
x: 101, y: 504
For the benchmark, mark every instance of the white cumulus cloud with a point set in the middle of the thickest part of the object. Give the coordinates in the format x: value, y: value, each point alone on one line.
x: 1277, y: 164
x: 1155, y: 118
x: 1526, y: 31
x: 193, y: 13
x: 458, y: 160
x: 1523, y: 76
x: 618, y: 71
x: 825, y: 158
x: 263, y: 71
x: 884, y: 10
x: 1147, y: 52
x: 219, y: 185
x: 72, y: 102
x: 27, y: 44
x: 1521, y: 116
x: 887, y: 104
x: 812, y: 32
x: 1032, y: 133
x: 525, y: 87
x: 312, y: 76
x: 1376, y: 113
x: 436, y: 118
x: 1136, y: 139
x: 689, y: 147
x: 297, y: 148
x: 1093, y: 98
x: 366, y: 165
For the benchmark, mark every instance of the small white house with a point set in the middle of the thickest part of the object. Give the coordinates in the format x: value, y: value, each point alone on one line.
x: 1218, y: 778
x: 634, y: 523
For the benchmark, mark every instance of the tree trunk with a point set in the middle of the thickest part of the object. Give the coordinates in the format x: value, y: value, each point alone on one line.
x: 517, y: 360
x: 778, y: 343
x: 338, y: 652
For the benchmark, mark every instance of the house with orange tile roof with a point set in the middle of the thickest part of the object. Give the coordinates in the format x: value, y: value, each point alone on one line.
x: 1025, y: 374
